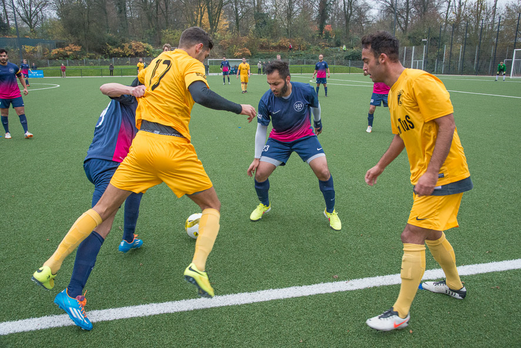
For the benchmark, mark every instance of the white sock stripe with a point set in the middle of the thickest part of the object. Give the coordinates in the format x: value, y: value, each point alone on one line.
x: 51, y: 321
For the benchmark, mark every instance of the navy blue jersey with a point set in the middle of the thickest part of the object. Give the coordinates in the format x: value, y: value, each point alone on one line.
x: 115, y: 130
x: 225, y: 65
x: 291, y: 117
x: 8, y: 85
x: 321, y: 68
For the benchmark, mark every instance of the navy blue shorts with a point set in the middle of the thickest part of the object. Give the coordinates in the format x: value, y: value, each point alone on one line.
x: 377, y: 99
x: 278, y: 152
x: 321, y: 80
x: 17, y: 102
x: 226, y: 73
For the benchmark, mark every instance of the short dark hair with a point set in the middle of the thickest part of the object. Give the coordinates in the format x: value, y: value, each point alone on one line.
x: 280, y: 66
x: 382, y: 42
x: 2, y: 50
x: 193, y: 36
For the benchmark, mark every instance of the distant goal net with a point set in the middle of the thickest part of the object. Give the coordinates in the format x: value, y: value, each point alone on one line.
x: 515, y: 69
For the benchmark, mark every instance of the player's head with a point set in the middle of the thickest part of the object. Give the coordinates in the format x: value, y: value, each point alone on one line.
x: 196, y: 42
x: 501, y: 63
x: 278, y: 56
x: 320, y: 57
x: 224, y: 58
x: 277, y: 73
x: 141, y: 60
x: 380, y: 43
x: 3, y: 56
x: 25, y: 61
x: 244, y: 60
x: 167, y: 47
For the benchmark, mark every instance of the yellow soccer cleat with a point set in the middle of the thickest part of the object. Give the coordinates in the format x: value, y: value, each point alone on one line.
x: 44, y: 277
x: 334, y: 220
x: 199, y: 279
x: 256, y: 215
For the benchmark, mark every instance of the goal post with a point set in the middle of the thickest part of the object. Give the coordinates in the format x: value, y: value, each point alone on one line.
x: 515, y: 69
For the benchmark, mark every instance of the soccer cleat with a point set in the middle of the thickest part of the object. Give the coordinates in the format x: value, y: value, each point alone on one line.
x: 261, y: 209
x: 442, y: 288
x: 44, y: 277
x: 199, y: 279
x: 125, y: 246
x: 28, y: 135
x: 229, y: 83
x: 75, y: 308
x: 7, y: 135
x: 369, y: 129
x: 388, y: 320
x: 334, y: 220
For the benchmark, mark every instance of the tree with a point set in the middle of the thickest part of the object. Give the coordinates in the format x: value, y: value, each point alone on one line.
x: 30, y: 12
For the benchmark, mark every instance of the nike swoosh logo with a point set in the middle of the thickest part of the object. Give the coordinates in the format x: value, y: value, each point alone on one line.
x: 275, y: 112
x: 193, y: 270
x: 398, y: 325
x: 417, y: 218
x: 319, y: 148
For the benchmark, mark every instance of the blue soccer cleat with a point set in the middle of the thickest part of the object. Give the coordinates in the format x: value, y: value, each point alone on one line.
x: 75, y: 308
x: 125, y: 246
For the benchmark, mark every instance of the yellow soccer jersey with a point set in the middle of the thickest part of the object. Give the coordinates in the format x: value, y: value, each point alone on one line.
x: 167, y: 100
x: 416, y: 99
x: 244, y: 68
x: 140, y: 66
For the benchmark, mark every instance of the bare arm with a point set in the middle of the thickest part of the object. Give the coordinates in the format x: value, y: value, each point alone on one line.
x: 22, y: 81
x: 428, y: 180
x: 115, y: 90
x: 392, y: 152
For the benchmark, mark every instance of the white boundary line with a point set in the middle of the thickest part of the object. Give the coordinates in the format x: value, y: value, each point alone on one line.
x: 97, y: 316
x: 53, y: 85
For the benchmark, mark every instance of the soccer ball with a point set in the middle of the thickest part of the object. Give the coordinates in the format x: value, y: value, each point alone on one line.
x: 192, y: 225
x: 310, y: 80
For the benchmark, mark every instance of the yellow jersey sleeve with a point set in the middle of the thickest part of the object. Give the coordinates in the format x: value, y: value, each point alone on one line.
x: 141, y: 76
x: 432, y: 97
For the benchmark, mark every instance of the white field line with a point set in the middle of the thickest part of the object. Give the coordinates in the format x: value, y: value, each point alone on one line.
x: 53, y: 85
x: 97, y: 316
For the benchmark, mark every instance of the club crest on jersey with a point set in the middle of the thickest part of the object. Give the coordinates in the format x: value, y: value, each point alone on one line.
x: 298, y: 106
x: 400, y: 97
x: 11, y: 70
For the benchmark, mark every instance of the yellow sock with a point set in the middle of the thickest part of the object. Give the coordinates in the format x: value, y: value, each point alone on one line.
x: 443, y: 253
x: 78, y: 232
x: 208, y: 230
x: 245, y: 86
x: 242, y: 87
x: 413, y: 267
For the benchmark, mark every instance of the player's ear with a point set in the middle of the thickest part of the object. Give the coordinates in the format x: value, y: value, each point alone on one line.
x: 383, y: 58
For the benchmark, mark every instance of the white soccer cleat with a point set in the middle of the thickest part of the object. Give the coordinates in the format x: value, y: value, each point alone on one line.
x: 388, y: 320
x: 7, y: 135
x: 28, y: 135
x: 369, y: 129
x: 441, y: 287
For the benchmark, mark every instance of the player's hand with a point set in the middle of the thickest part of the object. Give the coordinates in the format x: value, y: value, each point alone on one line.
x: 25, y: 91
x: 138, y: 91
x: 372, y: 174
x: 249, y: 111
x: 253, y: 167
x: 426, y: 184
x: 318, y: 127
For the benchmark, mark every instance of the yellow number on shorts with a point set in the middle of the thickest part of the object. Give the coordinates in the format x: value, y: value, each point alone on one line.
x: 162, y: 67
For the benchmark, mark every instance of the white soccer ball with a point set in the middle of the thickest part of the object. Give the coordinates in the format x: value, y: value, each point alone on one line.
x: 310, y: 80
x: 192, y: 225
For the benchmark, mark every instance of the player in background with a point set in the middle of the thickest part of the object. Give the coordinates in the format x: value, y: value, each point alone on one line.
x: 162, y: 152
x: 422, y: 122
x: 10, y: 94
x: 501, y: 68
x: 320, y: 70
x: 225, y: 68
x: 167, y: 47
x: 379, y: 97
x: 63, y: 68
x: 140, y: 65
x: 25, y: 71
x: 289, y: 105
x: 113, y: 135
x: 244, y: 71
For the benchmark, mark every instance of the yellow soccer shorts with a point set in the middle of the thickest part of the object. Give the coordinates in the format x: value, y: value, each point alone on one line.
x: 244, y: 78
x: 155, y: 158
x: 437, y: 213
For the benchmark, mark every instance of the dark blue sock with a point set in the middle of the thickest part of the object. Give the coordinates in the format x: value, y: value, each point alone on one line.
x: 325, y: 89
x: 23, y: 121
x: 224, y: 79
x: 84, y: 263
x: 131, y: 215
x: 5, y: 123
x: 370, y: 118
x: 262, y: 189
x: 318, y: 88
x: 328, y: 190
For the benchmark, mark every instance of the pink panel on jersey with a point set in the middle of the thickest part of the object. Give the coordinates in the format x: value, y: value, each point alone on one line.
x: 381, y: 88
x: 293, y: 135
